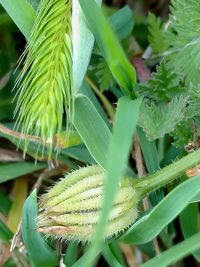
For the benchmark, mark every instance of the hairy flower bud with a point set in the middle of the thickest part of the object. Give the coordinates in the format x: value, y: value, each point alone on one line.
x: 71, y: 209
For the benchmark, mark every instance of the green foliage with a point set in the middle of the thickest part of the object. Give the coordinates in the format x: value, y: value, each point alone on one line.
x: 163, y: 85
x: 169, y: 113
x: 22, y: 13
x: 12, y: 170
x: 34, y: 3
x: 183, y: 37
x: 105, y: 78
x: 156, y: 36
x: 40, y: 252
x: 153, y: 222
x: 123, y: 72
x: 157, y: 120
x: 183, y: 133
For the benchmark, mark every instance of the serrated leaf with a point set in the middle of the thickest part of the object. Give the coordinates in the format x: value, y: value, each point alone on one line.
x: 183, y: 37
x: 104, y: 75
x: 163, y: 84
x: 156, y: 120
x: 156, y: 37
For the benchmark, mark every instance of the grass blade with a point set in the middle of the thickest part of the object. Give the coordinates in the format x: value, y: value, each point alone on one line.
x: 189, y: 223
x: 124, y: 126
x: 19, y: 195
x: 92, y: 129
x: 5, y: 233
x: 40, y: 253
x: 122, y: 70
x: 83, y: 42
x: 149, y: 226
x: 9, y: 171
x: 175, y: 253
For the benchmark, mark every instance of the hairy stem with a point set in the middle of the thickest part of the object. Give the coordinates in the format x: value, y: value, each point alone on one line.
x: 168, y: 174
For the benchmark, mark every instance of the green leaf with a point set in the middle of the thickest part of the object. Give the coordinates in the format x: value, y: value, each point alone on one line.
x: 110, y: 257
x: 122, y: 22
x: 92, y: 129
x: 151, y: 159
x: 34, y: 3
x: 22, y: 13
x: 163, y: 84
x: 149, y: 151
x: 71, y: 254
x: 5, y: 203
x: 87, y: 91
x: 40, y: 253
x: 189, y: 223
x: 9, y: 171
x: 196, y: 198
x: 124, y: 126
x: 83, y: 42
x: 104, y: 75
x: 5, y: 233
x: 79, y: 152
x: 183, y: 37
x: 150, y: 225
x: 157, y: 120
x: 156, y: 37
x: 175, y: 253
x: 122, y: 70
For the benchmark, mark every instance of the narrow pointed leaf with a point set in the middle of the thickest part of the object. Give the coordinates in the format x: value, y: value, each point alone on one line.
x: 83, y: 42
x: 124, y: 127
x: 175, y: 253
x: 122, y: 70
x: 39, y: 251
x: 92, y: 129
x: 22, y: 13
x: 149, y: 226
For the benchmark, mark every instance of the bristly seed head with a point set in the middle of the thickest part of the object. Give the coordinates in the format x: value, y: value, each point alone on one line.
x: 71, y: 209
x: 45, y: 82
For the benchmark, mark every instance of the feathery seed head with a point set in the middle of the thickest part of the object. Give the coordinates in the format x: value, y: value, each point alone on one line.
x: 71, y: 209
x: 45, y: 83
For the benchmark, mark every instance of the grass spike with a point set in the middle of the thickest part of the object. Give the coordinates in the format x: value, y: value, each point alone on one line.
x: 45, y: 82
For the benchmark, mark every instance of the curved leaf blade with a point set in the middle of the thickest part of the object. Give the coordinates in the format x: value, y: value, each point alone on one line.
x: 149, y: 226
x: 40, y: 253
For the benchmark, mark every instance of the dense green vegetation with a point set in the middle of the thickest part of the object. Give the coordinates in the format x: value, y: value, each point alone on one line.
x: 114, y: 86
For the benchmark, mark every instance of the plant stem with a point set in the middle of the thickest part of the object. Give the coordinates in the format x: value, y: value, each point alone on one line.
x: 168, y: 174
x: 109, y: 108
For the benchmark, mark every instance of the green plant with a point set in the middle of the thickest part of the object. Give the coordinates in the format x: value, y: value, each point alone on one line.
x: 61, y: 122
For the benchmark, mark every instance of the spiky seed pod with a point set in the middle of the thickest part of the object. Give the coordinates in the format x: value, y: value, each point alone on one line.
x: 71, y: 209
x: 45, y: 83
